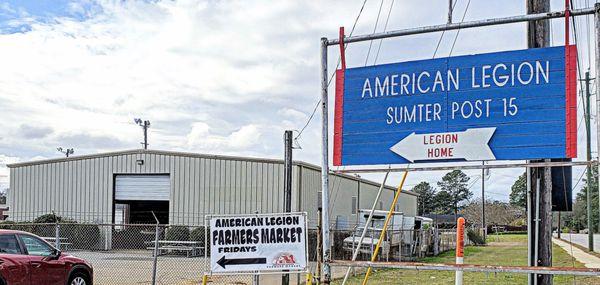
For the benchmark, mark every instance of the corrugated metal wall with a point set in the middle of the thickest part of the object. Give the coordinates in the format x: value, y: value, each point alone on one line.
x: 82, y: 188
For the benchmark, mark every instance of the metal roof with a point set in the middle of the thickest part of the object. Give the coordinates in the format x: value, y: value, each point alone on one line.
x: 195, y: 155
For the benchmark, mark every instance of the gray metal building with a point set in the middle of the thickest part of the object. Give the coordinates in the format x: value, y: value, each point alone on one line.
x: 181, y: 188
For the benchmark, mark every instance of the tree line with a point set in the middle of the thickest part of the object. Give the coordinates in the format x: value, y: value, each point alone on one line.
x: 574, y: 220
x: 448, y: 198
x: 453, y: 196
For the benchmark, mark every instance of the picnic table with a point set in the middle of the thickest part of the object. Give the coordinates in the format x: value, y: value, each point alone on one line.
x: 191, y: 248
x: 64, y: 244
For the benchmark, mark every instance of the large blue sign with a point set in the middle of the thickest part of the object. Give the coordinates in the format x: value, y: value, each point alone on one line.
x: 511, y: 105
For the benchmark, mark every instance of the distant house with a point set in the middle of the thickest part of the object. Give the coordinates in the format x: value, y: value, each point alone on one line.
x: 3, y: 212
x: 444, y: 220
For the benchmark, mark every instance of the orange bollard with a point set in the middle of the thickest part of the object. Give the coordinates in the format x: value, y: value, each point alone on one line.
x: 460, y: 248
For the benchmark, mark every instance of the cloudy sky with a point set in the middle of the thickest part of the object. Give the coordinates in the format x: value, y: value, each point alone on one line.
x: 219, y: 77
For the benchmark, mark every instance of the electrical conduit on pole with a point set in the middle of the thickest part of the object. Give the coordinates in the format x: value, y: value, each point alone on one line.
x: 460, y: 244
x: 385, y: 225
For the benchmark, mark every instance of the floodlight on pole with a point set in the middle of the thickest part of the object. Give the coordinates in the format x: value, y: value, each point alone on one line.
x: 66, y: 151
x: 145, y: 125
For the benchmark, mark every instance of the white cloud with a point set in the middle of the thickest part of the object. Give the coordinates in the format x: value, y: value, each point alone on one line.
x: 212, y: 76
x: 201, y: 138
x: 4, y: 172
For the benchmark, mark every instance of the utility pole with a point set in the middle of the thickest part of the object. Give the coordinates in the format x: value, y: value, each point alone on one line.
x: 538, y: 33
x: 145, y: 125
x: 588, y: 132
x: 66, y: 152
x: 450, y: 4
x: 287, y: 184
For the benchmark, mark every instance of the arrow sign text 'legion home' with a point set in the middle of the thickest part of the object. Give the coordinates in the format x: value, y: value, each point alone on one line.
x: 508, y: 106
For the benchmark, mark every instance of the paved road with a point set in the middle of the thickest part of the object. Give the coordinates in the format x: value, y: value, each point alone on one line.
x: 582, y: 239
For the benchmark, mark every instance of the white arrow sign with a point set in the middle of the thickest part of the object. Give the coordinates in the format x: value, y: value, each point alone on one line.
x: 471, y: 144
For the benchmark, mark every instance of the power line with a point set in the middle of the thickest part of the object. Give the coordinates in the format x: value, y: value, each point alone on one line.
x: 384, y: 30
x: 332, y: 75
x: 308, y: 121
x: 458, y: 32
x: 580, y: 177
x: 346, y: 45
x: 587, y: 36
x: 337, y: 190
x: 578, y: 57
x: 437, y: 47
x: 374, y: 30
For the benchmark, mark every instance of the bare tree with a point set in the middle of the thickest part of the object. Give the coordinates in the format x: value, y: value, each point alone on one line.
x: 496, y: 213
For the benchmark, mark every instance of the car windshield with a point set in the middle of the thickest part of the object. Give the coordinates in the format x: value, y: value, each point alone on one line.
x: 9, y: 244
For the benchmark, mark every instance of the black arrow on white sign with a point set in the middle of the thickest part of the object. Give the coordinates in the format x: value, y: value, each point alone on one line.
x: 241, y: 261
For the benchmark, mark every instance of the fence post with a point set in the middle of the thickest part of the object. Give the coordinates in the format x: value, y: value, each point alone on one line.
x: 460, y: 243
x: 57, y: 234
x: 155, y: 259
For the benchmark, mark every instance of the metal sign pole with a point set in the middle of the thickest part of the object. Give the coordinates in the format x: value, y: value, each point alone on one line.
x: 325, y: 165
x: 597, y: 28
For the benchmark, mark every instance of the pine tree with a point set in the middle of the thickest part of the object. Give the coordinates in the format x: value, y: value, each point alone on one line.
x: 426, y: 197
x: 454, y: 183
x: 518, y: 192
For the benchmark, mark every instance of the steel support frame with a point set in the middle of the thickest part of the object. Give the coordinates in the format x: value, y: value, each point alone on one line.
x: 579, y: 271
x: 325, y: 43
x: 469, y: 167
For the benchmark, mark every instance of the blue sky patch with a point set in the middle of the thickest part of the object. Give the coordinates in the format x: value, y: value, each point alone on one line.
x: 17, y: 16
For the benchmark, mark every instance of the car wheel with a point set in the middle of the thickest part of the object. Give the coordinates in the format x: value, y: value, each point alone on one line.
x: 79, y: 278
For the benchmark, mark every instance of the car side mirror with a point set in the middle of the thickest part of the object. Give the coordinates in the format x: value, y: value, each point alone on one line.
x: 54, y: 256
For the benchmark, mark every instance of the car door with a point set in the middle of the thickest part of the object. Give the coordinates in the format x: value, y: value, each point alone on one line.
x: 43, y: 271
x: 13, y: 263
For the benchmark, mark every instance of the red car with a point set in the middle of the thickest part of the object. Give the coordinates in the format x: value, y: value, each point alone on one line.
x: 26, y: 259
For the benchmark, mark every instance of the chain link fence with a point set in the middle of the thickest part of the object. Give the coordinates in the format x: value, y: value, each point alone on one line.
x: 398, y: 245
x: 125, y: 253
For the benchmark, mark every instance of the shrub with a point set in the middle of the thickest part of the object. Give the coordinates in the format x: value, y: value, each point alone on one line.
x: 21, y: 226
x: 42, y: 225
x: 180, y: 233
x: 338, y: 243
x: 48, y: 218
x: 197, y: 234
x: 132, y: 237
x: 475, y: 237
x: 82, y: 236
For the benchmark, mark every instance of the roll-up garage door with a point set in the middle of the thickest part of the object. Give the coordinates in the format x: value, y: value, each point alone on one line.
x: 142, y: 187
